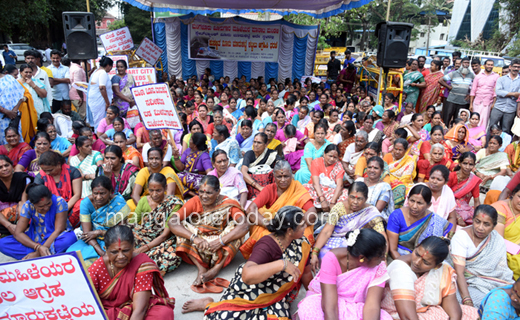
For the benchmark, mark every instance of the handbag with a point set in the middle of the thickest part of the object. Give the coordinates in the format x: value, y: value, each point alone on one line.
x: 516, y: 127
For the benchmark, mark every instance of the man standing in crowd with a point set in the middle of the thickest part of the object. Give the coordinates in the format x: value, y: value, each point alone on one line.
x: 333, y: 68
x: 507, y: 91
x: 348, y: 59
x: 505, y: 70
x: 476, y: 66
x: 482, y: 96
x: 45, y: 77
x: 445, y: 64
x: 455, y: 55
x: 458, y: 97
x: 77, y: 74
x: 60, y: 73
x: 48, y: 51
x: 9, y: 56
x: 421, y: 61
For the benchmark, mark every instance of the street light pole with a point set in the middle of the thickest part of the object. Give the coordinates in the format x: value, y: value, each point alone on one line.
x: 387, y: 10
x: 88, y: 6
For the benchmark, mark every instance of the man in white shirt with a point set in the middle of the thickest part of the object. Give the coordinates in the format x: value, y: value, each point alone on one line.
x: 48, y: 53
x: 156, y: 140
x: 32, y: 56
x: 60, y: 90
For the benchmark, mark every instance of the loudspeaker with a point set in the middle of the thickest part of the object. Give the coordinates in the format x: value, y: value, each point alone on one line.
x: 394, y: 40
x: 80, y: 35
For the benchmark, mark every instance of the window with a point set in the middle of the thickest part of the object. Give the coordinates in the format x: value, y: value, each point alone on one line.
x: 108, y: 23
x: 98, y: 23
x: 442, y: 36
x: 422, y: 34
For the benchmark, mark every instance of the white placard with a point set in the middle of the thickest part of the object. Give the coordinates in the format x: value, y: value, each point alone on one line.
x: 115, y: 59
x: 149, y: 51
x: 143, y: 76
x: 53, y: 287
x: 156, y: 106
x: 117, y: 40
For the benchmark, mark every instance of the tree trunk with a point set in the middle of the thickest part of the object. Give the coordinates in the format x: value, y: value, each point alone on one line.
x: 364, y: 37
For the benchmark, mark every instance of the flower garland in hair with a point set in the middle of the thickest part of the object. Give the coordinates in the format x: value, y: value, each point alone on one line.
x: 352, y: 237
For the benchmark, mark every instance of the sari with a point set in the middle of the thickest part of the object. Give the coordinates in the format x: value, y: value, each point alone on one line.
x: 430, y: 94
x: 452, y: 135
x: 96, y: 105
x: 109, y: 215
x: 415, y: 147
x: 31, y: 162
x: 60, y: 144
x: 245, y: 144
x: 232, y: 183
x: 475, y: 134
x: 9, y: 198
x: 152, y: 225
x: 132, y: 152
x: 232, y: 149
x: 40, y: 229
x: 194, y: 162
x: 209, y: 226
x: 388, y: 130
x: 412, y: 93
x: 126, y: 83
x: 260, y: 170
x: 87, y: 166
x: 402, y: 174
x: 491, y: 164
x: 171, y: 177
x: 424, y: 167
x: 276, y: 145
x: 427, y: 292
x: 497, y: 304
x: 464, y: 191
x: 294, y: 195
x: 381, y: 192
x: 411, y: 236
x: 304, y: 174
x: 327, y: 177
x: 511, y: 232
x: 269, y: 299
x: 343, y: 222
x: 16, y: 153
x: 141, y: 274
x: 513, y: 152
x: 29, y: 117
x: 11, y: 92
x: 352, y: 289
x: 309, y: 130
x: 485, y: 265
x: 63, y: 189
x: 124, y: 183
x: 40, y: 104
x: 343, y: 145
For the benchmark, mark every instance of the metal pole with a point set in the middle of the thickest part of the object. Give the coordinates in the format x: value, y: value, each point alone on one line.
x: 388, y: 10
x: 428, y: 37
x: 88, y: 6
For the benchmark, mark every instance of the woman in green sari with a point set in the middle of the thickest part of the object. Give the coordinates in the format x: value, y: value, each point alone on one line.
x: 98, y: 212
x: 413, y: 82
x: 86, y: 161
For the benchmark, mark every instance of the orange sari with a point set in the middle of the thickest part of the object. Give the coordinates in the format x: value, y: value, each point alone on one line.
x: 29, y: 116
x: 132, y: 152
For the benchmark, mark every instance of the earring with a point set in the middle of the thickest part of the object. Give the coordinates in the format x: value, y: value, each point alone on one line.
x: 362, y: 260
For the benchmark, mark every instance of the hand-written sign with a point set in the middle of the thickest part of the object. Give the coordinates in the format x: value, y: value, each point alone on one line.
x: 53, y: 287
x: 156, y: 106
x: 143, y: 76
x: 117, y: 40
x: 149, y: 51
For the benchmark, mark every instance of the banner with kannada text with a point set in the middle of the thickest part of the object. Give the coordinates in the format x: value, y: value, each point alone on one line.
x: 209, y: 41
x: 156, y: 107
x: 53, y: 287
x: 143, y: 76
x: 117, y: 40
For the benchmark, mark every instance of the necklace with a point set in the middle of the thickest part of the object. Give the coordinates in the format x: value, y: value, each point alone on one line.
x: 112, y: 268
x: 512, y: 210
x: 348, y: 261
x: 279, y: 243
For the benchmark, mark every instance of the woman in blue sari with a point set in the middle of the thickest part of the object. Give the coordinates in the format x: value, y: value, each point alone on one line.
x: 250, y: 113
x: 60, y: 144
x: 409, y: 226
x: 42, y: 229
x: 314, y: 149
x: 245, y: 139
x: 98, y: 212
x: 501, y: 303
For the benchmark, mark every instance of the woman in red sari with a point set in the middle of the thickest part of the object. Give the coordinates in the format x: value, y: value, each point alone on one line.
x: 14, y: 149
x: 124, y: 281
x: 430, y: 94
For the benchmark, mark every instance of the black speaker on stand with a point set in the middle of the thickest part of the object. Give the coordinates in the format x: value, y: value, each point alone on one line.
x: 80, y: 35
x: 394, y: 41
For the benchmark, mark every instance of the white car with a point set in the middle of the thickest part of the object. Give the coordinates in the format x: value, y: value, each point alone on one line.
x: 20, y: 48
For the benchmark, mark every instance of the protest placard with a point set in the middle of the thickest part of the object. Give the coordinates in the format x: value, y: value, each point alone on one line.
x: 149, y: 51
x: 156, y: 106
x: 53, y: 287
x: 114, y: 58
x: 143, y: 76
x: 117, y: 40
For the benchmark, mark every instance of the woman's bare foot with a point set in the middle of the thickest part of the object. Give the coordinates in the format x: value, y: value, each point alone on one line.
x: 198, y: 281
x: 211, y: 273
x: 196, y: 305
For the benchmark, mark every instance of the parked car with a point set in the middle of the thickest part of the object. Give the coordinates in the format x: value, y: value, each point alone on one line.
x: 20, y: 48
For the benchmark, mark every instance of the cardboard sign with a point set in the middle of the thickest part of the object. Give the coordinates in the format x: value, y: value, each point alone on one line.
x: 149, y: 51
x: 53, y: 287
x: 143, y: 76
x: 117, y: 40
x: 156, y: 107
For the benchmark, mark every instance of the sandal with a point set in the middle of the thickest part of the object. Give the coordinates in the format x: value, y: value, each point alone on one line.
x: 221, y: 282
x: 207, y: 287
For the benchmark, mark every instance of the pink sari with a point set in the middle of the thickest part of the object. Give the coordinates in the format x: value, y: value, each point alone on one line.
x: 352, y: 292
x: 475, y: 134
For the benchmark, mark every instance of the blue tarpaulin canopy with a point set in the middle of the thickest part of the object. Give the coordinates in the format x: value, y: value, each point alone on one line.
x: 315, y: 8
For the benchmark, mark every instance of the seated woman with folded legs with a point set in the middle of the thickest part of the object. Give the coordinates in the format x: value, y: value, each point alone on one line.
x: 479, y: 257
x: 12, y: 194
x: 42, y: 228
x: 351, y: 282
x: 99, y: 211
x: 63, y: 181
x: 352, y: 214
x: 152, y: 235
x: 231, y: 179
x: 129, y: 284
x: 285, y: 191
x: 501, y: 303
x: 265, y: 286
x: 423, y: 286
x: 209, y: 229
x: 402, y: 166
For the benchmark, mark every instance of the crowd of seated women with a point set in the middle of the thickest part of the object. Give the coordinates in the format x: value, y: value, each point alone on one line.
x: 375, y: 210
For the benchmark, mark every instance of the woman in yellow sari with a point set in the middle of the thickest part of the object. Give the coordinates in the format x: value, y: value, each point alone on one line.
x: 513, y: 153
x: 29, y: 116
x: 284, y: 192
x: 272, y: 143
x: 509, y: 227
x: 402, y: 170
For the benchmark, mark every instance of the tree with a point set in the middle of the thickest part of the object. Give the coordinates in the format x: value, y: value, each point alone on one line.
x: 138, y: 22
x: 118, y: 24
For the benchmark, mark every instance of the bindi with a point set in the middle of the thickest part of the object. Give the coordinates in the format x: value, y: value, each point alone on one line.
x: 119, y: 244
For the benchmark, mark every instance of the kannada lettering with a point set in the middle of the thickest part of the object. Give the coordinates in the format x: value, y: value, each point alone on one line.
x: 53, y: 313
x: 51, y: 270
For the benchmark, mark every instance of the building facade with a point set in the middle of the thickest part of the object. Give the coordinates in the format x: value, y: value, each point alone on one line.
x: 473, y: 18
